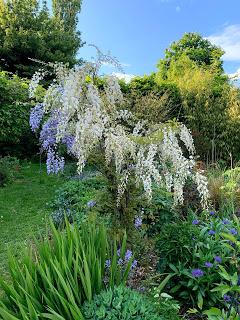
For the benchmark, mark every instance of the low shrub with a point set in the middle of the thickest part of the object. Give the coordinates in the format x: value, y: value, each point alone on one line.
x: 55, y: 277
x: 120, y: 303
x: 76, y: 198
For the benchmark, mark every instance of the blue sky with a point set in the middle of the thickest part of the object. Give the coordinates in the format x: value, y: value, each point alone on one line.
x: 138, y: 31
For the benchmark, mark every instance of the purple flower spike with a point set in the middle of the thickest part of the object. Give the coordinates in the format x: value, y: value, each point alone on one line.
x: 197, y: 273
x: 211, y: 232
x: 134, y: 264
x: 107, y: 263
x: 195, y: 222
x: 212, y: 213
x: 128, y: 255
x: 218, y: 259
x: 120, y: 262
x: 233, y: 231
x: 208, y: 264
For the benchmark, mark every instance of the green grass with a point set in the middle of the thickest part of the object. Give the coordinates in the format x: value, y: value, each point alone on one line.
x: 23, y: 209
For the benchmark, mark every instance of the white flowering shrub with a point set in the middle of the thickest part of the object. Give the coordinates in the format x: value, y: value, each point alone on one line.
x: 89, y: 120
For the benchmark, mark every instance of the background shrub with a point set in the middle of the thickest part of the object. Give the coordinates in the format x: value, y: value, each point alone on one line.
x: 16, y: 138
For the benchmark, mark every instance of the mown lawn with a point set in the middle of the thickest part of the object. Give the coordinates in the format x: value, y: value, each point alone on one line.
x: 23, y: 209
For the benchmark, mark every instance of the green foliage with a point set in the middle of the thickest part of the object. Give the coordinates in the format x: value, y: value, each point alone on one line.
x: 27, y: 30
x: 9, y: 168
x: 120, y: 303
x: 159, y: 211
x: 76, y: 198
x: 198, y: 49
x: 168, y: 308
x: 175, y: 240
x: 59, y: 274
x: 16, y: 137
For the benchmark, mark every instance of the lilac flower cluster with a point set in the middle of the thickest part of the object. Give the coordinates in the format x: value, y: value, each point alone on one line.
x: 36, y: 116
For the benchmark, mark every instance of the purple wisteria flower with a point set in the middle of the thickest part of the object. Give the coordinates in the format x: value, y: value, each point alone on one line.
x: 233, y: 231
x: 54, y: 163
x: 227, y: 298
x: 225, y: 221
x: 36, y: 116
x: 195, y: 222
x: 208, y: 264
x: 211, y: 232
x: 212, y: 213
x: 138, y: 222
x: 218, y: 259
x: 48, y: 133
x: 69, y: 141
x: 197, y: 273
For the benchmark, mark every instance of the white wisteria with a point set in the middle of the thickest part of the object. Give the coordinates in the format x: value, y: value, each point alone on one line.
x: 84, y: 116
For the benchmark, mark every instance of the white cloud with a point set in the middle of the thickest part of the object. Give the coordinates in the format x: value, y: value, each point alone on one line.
x: 235, y: 75
x: 229, y: 41
x: 124, y: 76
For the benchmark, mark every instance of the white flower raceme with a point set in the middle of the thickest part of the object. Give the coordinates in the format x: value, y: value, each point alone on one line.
x: 87, y: 116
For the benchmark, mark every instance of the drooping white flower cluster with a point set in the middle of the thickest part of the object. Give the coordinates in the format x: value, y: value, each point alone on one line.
x: 87, y: 116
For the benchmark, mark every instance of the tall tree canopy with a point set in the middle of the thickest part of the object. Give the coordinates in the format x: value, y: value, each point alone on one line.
x: 199, y: 50
x: 28, y: 30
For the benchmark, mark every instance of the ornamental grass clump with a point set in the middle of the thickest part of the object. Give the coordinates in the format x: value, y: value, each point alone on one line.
x: 93, y: 124
x: 53, y: 280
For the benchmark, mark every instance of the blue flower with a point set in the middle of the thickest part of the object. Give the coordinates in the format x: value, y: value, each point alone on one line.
x: 197, y: 273
x: 138, y: 222
x: 218, y: 259
x: 227, y: 298
x: 195, y: 222
x: 211, y: 232
x: 225, y: 221
x: 233, y: 231
x: 208, y: 264
x: 91, y: 203
x: 212, y: 213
